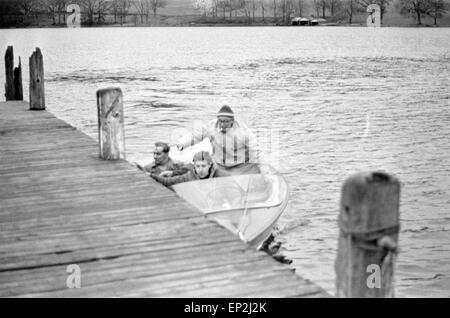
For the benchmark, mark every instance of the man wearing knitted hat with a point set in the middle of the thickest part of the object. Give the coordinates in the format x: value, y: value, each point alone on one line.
x: 234, y: 146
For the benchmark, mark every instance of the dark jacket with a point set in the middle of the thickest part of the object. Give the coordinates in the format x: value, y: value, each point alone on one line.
x: 176, y: 168
x: 191, y: 175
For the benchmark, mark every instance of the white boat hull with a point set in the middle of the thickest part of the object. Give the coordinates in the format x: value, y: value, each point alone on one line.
x: 247, y: 205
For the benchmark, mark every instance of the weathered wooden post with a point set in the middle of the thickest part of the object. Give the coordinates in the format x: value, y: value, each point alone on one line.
x: 18, y: 81
x: 37, y: 91
x: 13, y: 85
x: 10, y: 93
x: 369, y: 226
x: 111, y: 124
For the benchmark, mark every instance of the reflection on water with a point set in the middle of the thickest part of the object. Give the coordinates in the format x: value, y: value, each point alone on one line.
x: 324, y: 102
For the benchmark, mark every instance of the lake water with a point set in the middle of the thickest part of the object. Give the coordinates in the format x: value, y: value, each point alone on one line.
x: 325, y: 103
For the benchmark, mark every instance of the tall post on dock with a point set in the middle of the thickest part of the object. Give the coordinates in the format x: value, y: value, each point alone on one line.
x: 13, y: 85
x: 9, y: 72
x: 37, y: 91
x: 368, y: 236
x: 111, y: 124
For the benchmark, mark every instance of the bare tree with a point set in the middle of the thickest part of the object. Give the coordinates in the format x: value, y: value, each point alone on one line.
x: 124, y: 7
x: 300, y: 7
x: 414, y: 8
x: 88, y: 7
x: 317, y: 4
x: 55, y: 8
x: 320, y: 7
x: 222, y: 5
x: 436, y: 8
x: 102, y: 7
x: 287, y: 10
x: 255, y: 5
x: 52, y: 7
x: 274, y: 8
x: 141, y: 8
x: 232, y: 4
x: 148, y: 8
x: 240, y: 6
x: 285, y: 7
x: 157, y: 4
x: 114, y: 8
x: 95, y: 9
x: 245, y: 7
x: 29, y: 7
x: 333, y: 5
x: 349, y: 8
x: 206, y: 6
x: 62, y: 5
x: 262, y: 4
x: 323, y: 6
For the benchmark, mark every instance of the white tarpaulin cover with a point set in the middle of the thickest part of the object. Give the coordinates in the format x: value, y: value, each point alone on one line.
x: 234, y: 192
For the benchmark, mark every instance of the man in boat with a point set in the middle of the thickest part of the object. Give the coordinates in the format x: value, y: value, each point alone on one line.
x: 163, y: 164
x: 234, y: 147
x: 202, y: 168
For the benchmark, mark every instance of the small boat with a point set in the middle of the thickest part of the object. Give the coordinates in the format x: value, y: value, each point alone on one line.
x: 300, y: 21
x: 295, y: 21
x: 304, y: 21
x: 248, y: 205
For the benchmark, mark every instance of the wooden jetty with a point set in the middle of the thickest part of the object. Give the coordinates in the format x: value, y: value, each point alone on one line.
x: 60, y: 204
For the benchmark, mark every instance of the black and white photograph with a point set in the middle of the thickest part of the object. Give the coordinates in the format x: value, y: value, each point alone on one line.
x: 225, y: 149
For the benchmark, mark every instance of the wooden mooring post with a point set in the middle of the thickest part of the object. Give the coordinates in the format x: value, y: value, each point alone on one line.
x: 13, y: 85
x: 111, y: 124
x: 37, y: 91
x: 368, y: 236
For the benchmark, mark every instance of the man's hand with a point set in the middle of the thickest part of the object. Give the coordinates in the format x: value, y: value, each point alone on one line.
x: 166, y: 173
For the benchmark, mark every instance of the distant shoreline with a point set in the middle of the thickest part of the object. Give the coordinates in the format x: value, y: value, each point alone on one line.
x: 224, y: 25
x: 194, y: 20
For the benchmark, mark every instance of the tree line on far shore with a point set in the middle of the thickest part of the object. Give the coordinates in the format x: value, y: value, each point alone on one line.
x: 16, y: 12
x: 22, y: 12
x: 284, y: 10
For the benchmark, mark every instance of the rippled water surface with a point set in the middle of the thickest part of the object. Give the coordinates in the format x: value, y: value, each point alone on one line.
x: 325, y: 103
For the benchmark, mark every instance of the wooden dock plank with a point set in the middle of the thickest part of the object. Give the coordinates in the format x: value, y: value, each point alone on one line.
x: 61, y: 205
